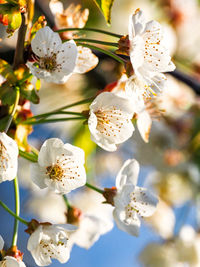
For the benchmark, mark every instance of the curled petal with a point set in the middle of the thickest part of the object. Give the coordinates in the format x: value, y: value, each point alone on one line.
x: 144, y: 123
x: 86, y: 60
x: 128, y: 173
x: 132, y: 226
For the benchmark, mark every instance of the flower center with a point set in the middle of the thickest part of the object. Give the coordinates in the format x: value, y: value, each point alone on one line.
x: 49, y: 248
x: 130, y: 210
x: 110, y: 122
x: 55, y: 172
x: 48, y: 63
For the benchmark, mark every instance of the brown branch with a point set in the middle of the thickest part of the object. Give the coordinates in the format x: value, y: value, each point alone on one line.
x: 19, y: 52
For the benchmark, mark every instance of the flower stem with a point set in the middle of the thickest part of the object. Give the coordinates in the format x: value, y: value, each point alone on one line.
x: 96, y: 42
x: 94, y: 188
x: 28, y: 156
x: 45, y: 115
x: 13, y: 214
x: 17, y: 211
x: 87, y: 100
x: 13, y: 110
x: 91, y: 30
x: 109, y: 53
x: 54, y: 120
x: 66, y: 201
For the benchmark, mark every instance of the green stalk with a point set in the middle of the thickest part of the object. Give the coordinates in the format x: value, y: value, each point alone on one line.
x: 13, y: 214
x: 109, y: 53
x: 17, y: 211
x: 66, y: 201
x: 54, y: 113
x: 60, y: 109
x: 54, y: 120
x: 91, y: 30
x: 94, y: 188
x: 96, y: 42
x: 28, y: 156
x: 13, y: 110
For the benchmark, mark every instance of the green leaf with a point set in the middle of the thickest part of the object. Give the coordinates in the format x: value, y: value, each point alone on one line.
x: 7, y: 94
x: 3, y: 123
x: 105, y: 7
x: 28, y: 92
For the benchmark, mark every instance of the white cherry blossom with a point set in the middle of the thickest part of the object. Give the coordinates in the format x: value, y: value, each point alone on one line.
x: 148, y: 55
x: 60, y: 167
x: 49, y: 242
x: 110, y: 120
x: 8, y: 158
x: 147, y: 52
x: 131, y: 201
x: 55, y: 61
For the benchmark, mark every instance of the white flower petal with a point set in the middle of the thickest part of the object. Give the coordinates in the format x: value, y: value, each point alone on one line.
x: 45, y: 42
x: 123, y: 196
x: 35, y: 238
x: 56, y: 7
x: 132, y: 226
x: 12, y: 262
x: 144, y: 123
x: 106, y: 99
x: 143, y: 201
x: 135, y: 90
x: 128, y: 173
x: 86, y: 60
x: 89, y: 231
x: 38, y: 175
x: 8, y: 158
x: 1, y: 243
x: 155, y: 83
x: 75, y: 151
x: 67, y: 56
x: 136, y: 24
x: 49, y: 151
x: 57, y: 76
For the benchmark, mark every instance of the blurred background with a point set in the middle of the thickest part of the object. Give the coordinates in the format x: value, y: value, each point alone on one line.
x: 170, y: 161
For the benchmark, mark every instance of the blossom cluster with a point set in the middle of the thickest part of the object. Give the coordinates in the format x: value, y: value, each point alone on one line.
x: 58, y: 167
